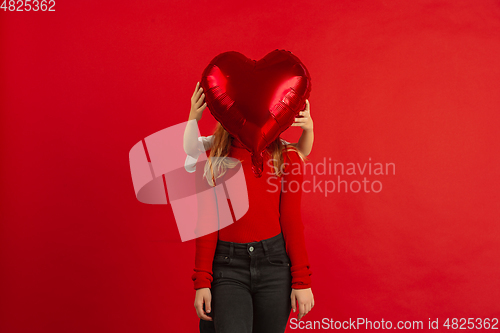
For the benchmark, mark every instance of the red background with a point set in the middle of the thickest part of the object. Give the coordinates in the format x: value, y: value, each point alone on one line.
x: 414, y: 83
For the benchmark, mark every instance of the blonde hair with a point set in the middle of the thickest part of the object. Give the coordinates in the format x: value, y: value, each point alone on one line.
x: 221, y: 147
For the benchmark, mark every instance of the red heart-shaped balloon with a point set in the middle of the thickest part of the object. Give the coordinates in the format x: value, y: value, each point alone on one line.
x: 255, y: 101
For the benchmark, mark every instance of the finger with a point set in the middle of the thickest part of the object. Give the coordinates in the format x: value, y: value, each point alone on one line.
x: 199, y: 310
x: 196, y: 88
x: 306, y: 311
x: 202, y: 107
x: 302, y: 310
x: 304, y: 113
x: 202, y: 314
x: 198, y: 93
x: 208, y: 306
x: 300, y: 120
x: 306, y: 107
x: 205, y: 317
x: 296, y: 124
x: 199, y: 102
x: 294, y: 303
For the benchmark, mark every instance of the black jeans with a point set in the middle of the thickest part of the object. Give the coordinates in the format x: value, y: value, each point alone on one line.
x: 251, y: 287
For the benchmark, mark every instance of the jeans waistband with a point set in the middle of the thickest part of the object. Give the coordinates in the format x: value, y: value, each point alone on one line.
x: 275, y: 244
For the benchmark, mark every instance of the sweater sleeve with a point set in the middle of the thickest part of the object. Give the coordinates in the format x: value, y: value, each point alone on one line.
x: 206, y: 237
x: 205, y: 250
x: 204, y: 144
x: 291, y: 220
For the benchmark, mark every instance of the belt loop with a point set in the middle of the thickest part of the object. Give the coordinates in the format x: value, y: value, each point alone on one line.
x: 264, y: 245
x: 231, y: 249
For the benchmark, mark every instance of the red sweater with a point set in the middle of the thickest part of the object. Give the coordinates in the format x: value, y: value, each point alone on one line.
x: 272, y: 209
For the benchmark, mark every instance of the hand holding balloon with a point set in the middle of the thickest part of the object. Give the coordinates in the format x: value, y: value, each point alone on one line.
x: 190, y: 142
x: 305, y: 122
x: 197, y: 105
x: 305, y: 143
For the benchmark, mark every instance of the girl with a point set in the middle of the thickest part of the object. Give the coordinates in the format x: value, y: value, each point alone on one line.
x: 252, y: 273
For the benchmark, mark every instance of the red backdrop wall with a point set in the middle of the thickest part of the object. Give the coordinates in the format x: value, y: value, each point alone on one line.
x: 413, y: 83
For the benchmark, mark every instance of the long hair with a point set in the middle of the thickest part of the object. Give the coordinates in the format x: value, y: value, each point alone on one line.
x: 217, y: 163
